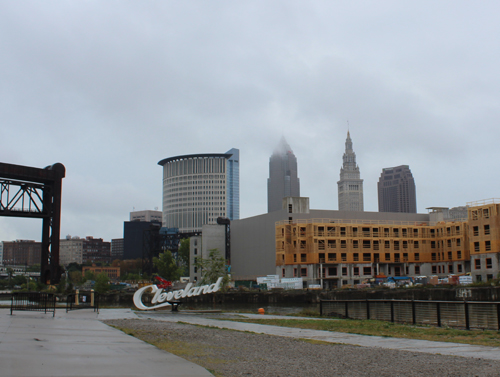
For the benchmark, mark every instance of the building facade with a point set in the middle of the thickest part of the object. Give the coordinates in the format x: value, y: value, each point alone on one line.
x: 146, y: 215
x: 96, y: 250
x: 283, y: 178
x: 350, y: 186
x: 338, y: 252
x: 70, y: 250
x: 396, y: 190
x: 197, y: 189
x: 113, y: 273
x: 117, y: 248
x: 22, y: 252
x: 212, y: 237
x: 253, y: 239
x: 484, y: 239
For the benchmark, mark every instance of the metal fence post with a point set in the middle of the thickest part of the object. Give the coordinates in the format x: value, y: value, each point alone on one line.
x: 367, y: 309
x: 438, y: 313
x: 347, y: 309
x: 413, y: 312
x: 498, y: 316
x: 467, y: 318
x: 392, y: 311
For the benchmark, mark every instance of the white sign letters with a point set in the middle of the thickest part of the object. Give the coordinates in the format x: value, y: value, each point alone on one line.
x: 161, y: 298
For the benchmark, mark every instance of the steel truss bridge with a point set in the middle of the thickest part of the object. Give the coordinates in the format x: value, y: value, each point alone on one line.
x: 36, y: 193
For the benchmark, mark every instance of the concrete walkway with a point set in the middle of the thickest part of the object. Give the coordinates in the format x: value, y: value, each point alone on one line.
x: 414, y: 345
x: 78, y: 344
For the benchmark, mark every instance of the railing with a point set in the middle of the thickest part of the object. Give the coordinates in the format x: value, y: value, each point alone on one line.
x: 82, y: 300
x: 459, y: 314
x: 33, y: 301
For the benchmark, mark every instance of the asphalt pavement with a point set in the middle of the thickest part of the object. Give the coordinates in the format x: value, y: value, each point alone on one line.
x: 79, y: 344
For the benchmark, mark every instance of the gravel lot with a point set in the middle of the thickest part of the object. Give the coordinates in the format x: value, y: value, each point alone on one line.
x: 232, y: 353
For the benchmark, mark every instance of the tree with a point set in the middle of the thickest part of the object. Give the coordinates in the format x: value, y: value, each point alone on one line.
x: 89, y: 275
x: 213, y: 268
x: 101, y: 283
x: 73, y: 266
x: 133, y: 266
x: 116, y: 263
x: 10, y: 272
x: 33, y: 268
x: 167, y: 268
x: 61, y: 287
x: 184, y: 256
x: 131, y: 277
x: 75, y: 277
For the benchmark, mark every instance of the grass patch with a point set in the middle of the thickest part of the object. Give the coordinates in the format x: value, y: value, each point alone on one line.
x: 198, y: 353
x: 387, y: 329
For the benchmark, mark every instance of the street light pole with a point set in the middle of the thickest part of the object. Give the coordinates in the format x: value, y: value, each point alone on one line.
x: 26, y: 273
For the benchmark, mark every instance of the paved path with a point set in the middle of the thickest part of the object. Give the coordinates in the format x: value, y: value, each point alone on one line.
x: 78, y: 344
x: 425, y: 346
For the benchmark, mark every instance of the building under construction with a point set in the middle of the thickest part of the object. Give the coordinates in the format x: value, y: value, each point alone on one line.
x: 337, y: 252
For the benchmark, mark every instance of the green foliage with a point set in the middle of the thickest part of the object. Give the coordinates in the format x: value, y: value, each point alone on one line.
x: 34, y: 268
x: 89, y: 275
x: 131, y: 266
x: 167, y: 267
x: 213, y: 268
x: 73, y: 266
x: 10, y: 272
x: 75, y: 277
x: 388, y: 329
x: 31, y: 287
x: 61, y: 287
x: 18, y: 280
x: 183, y: 257
x: 131, y: 277
x: 101, y: 283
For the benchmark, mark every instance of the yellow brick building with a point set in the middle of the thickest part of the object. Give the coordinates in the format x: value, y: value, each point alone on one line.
x: 484, y: 238
x: 337, y: 252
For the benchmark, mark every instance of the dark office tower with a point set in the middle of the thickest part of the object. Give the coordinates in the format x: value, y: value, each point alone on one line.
x: 396, y: 190
x: 283, y: 180
x: 350, y: 186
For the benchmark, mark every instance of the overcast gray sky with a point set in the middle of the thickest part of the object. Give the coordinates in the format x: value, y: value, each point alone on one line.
x: 109, y: 88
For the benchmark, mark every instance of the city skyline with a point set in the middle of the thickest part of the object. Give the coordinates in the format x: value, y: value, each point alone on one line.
x: 111, y: 100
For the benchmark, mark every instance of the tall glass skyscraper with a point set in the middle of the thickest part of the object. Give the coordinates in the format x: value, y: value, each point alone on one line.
x: 199, y: 188
x: 350, y: 186
x: 396, y: 190
x: 283, y: 180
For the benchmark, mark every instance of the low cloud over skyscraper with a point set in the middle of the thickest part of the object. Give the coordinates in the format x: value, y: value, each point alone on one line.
x: 283, y: 180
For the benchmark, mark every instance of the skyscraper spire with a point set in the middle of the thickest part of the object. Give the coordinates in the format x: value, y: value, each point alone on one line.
x: 350, y: 186
x: 283, y: 180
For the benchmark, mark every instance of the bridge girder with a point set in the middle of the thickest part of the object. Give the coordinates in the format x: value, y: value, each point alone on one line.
x: 36, y: 193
